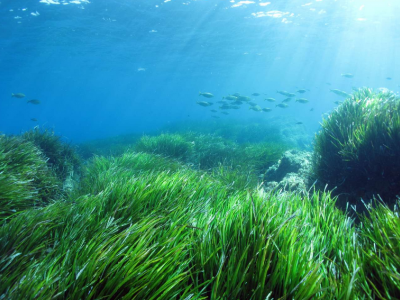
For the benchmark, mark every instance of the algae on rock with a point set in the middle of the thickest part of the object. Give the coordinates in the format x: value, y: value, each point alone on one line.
x: 291, y: 172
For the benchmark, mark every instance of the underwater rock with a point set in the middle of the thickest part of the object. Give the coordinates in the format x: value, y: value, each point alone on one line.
x: 290, y: 172
x: 71, y: 182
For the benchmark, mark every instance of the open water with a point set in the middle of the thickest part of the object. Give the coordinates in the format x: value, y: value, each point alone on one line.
x: 102, y: 68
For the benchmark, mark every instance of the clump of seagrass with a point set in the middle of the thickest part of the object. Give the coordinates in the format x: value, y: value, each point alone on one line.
x: 380, y: 232
x: 25, y: 179
x: 358, y: 148
x: 61, y: 156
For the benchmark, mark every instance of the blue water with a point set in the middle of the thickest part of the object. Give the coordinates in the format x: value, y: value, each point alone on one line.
x: 104, y: 68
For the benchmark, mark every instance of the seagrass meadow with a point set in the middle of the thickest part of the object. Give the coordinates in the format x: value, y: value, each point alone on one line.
x: 199, y: 150
x: 181, y: 215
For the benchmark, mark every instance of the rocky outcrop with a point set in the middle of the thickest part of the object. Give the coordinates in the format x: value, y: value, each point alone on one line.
x: 290, y: 173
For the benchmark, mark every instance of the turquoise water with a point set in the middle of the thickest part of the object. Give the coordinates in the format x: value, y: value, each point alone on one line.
x: 105, y: 68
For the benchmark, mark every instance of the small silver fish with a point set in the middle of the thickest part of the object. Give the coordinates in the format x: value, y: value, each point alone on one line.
x: 256, y: 108
x: 18, y: 95
x: 204, y: 103
x: 287, y: 94
x: 282, y: 105
x: 230, y: 97
x: 340, y: 93
x: 302, y: 100
x: 243, y: 98
x: 207, y: 95
x: 33, y: 101
x: 347, y: 75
